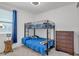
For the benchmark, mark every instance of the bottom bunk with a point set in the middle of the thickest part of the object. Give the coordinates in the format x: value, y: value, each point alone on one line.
x: 38, y: 44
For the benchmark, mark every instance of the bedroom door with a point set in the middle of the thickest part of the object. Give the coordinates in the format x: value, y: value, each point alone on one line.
x: 65, y: 41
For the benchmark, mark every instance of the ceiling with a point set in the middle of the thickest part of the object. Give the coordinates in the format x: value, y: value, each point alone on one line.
x: 43, y: 7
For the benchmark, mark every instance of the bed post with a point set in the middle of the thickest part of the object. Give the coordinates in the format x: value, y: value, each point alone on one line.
x: 34, y: 31
x: 47, y: 37
x: 54, y: 33
x: 28, y: 32
x: 24, y: 29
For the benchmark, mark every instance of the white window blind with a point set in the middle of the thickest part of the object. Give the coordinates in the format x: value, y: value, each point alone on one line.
x: 5, y: 21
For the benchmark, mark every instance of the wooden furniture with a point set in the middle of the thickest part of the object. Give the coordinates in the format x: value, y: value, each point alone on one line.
x: 8, y: 46
x: 65, y: 41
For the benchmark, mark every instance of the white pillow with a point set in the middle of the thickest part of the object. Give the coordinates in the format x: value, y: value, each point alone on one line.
x: 43, y: 42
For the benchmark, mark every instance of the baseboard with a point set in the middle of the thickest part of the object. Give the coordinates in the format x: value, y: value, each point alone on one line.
x: 76, y: 54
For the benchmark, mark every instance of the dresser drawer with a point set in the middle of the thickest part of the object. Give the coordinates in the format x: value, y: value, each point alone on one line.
x: 63, y: 45
x: 64, y: 37
x: 67, y: 33
x: 65, y: 41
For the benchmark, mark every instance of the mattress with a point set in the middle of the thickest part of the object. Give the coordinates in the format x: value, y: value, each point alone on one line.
x: 34, y: 43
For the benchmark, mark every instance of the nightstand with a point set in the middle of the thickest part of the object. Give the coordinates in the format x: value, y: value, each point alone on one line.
x: 8, y: 46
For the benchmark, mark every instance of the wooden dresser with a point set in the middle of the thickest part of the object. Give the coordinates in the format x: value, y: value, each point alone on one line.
x: 8, y: 46
x: 65, y: 41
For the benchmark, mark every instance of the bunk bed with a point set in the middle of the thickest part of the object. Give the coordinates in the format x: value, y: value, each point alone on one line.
x: 39, y: 44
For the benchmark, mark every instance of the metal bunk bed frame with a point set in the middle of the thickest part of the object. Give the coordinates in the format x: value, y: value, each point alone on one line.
x: 47, y: 21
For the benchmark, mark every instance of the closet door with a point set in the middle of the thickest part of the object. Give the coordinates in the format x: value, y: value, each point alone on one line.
x: 65, y: 41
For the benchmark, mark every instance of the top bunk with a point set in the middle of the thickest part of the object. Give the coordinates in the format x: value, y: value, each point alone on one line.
x: 44, y: 24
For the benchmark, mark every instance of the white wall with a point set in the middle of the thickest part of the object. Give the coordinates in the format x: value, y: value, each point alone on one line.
x: 66, y: 18
x: 22, y: 17
x: 2, y: 39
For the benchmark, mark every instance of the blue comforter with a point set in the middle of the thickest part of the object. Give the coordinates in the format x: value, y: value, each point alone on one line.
x: 34, y: 43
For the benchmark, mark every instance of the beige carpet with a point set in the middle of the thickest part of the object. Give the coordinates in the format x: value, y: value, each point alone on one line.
x: 24, y: 51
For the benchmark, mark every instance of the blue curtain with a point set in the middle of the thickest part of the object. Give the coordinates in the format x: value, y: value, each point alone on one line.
x: 14, y: 31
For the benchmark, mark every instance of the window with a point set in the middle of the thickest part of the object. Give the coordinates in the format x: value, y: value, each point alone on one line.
x: 5, y: 22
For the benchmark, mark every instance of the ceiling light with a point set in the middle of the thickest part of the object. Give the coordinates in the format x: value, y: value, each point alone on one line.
x: 35, y: 3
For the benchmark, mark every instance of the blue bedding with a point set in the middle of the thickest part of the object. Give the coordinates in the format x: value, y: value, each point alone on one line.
x: 34, y: 43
